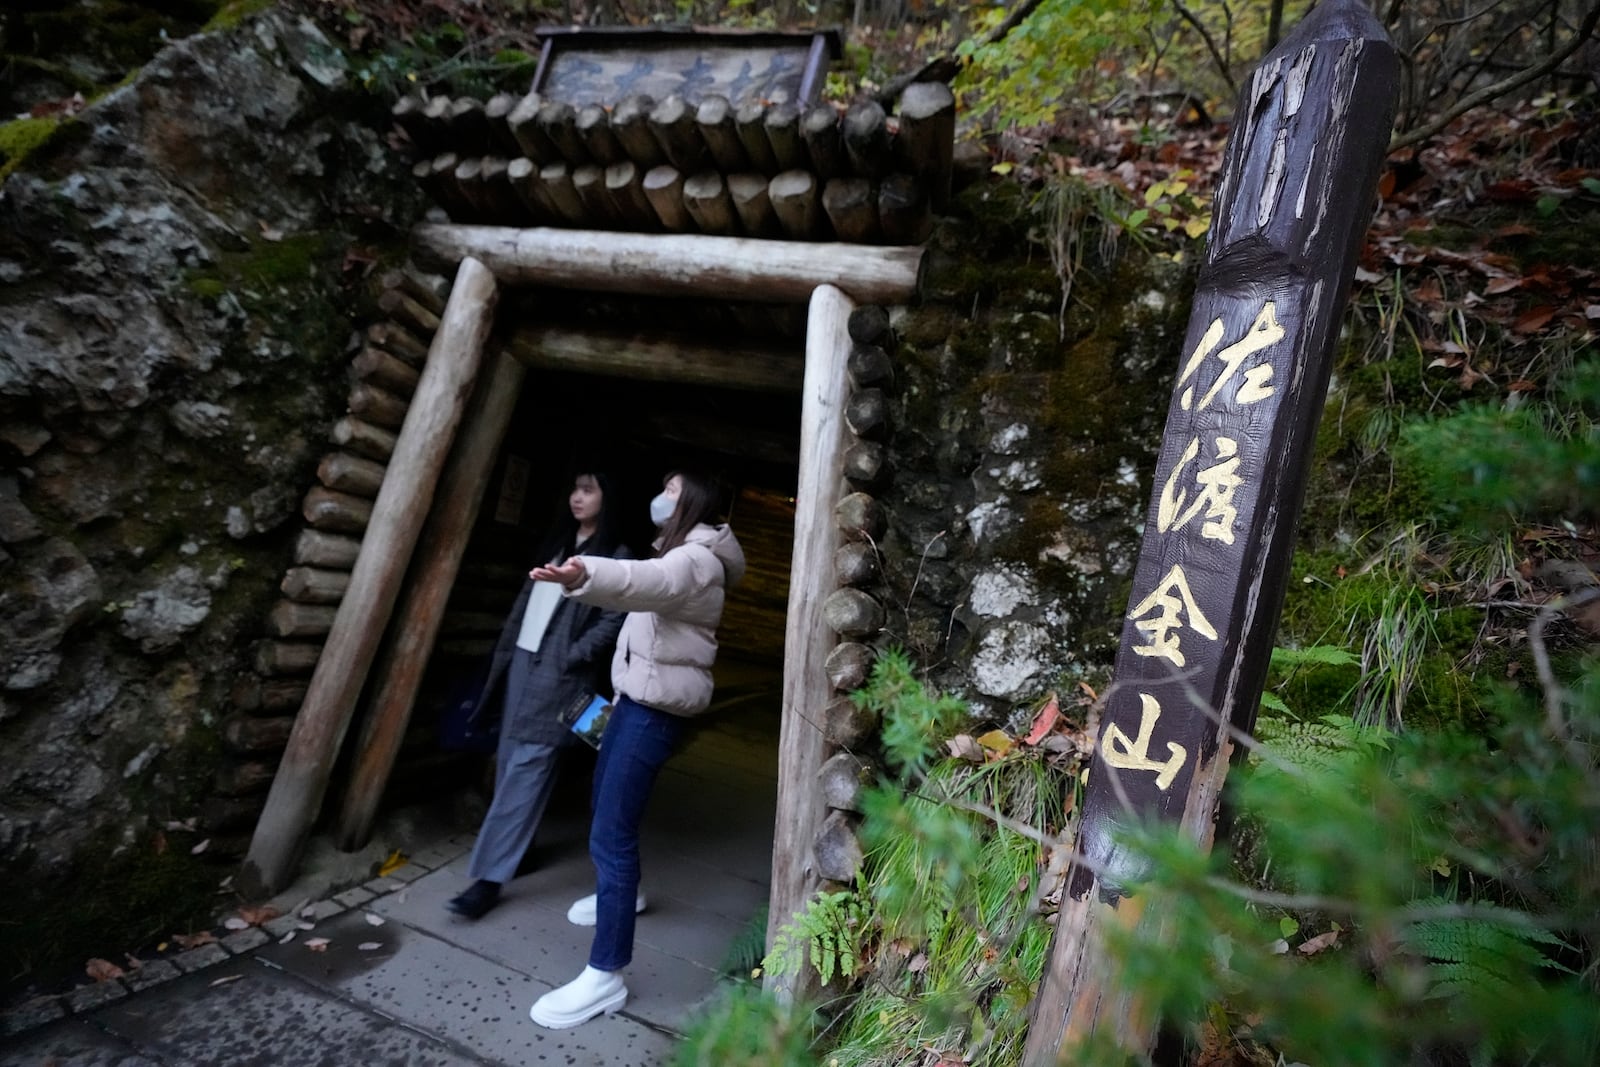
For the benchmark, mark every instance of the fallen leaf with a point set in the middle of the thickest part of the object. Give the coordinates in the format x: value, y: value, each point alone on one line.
x: 301, y: 924
x: 316, y: 944
x: 233, y: 922
x: 186, y: 824
x: 269, y: 233
x: 1314, y: 945
x: 256, y: 914
x: 1279, y: 947
x: 195, y: 940
x: 374, y: 920
x: 369, y: 946
x: 962, y: 746
x: 1044, y: 721
x: 288, y: 937
x: 1522, y: 385
x: 1591, y: 311
x: 1534, y: 319
x: 1497, y: 286
x: 225, y: 979
x: 918, y: 964
x: 134, y: 962
x: 396, y: 860
x: 103, y: 970
x: 201, y: 847
x: 1367, y: 276
x: 997, y: 741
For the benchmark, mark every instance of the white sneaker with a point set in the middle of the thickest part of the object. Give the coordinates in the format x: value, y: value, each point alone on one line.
x: 591, y: 993
x: 582, y: 912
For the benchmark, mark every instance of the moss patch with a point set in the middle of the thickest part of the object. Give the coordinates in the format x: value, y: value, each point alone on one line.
x: 20, y: 138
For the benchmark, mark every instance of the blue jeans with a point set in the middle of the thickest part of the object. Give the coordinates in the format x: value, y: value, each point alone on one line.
x: 637, y: 742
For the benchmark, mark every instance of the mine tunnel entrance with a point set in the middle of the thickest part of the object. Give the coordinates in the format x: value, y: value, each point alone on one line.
x: 632, y: 404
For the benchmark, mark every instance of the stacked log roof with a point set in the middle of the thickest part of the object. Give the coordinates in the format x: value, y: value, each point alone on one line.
x: 783, y: 170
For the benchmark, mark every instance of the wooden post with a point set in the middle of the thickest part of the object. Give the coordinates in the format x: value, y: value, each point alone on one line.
x: 926, y: 141
x: 657, y: 356
x: 341, y: 670
x: 721, y: 135
x: 793, y: 195
x: 630, y: 124
x: 428, y: 584
x: 1293, y: 203
x: 673, y: 264
x: 663, y: 187
x: 807, y: 636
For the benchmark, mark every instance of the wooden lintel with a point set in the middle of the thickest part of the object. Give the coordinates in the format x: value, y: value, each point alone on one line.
x: 732, y: 268
x: 658, y: 358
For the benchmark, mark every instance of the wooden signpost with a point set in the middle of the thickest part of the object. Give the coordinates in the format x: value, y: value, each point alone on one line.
x: 1291, y: 208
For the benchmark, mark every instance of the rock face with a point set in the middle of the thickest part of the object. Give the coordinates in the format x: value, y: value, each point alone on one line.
x: 1023, y: 446
x: 181, y: 265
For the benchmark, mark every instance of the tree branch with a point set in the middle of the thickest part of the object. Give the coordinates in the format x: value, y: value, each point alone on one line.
x: 944, y: 67
x: 1500, y: 88
x: 1211, y: 45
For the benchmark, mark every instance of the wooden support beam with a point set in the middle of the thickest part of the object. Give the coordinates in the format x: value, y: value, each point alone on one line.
x: 673, y: 124
x: 363, y: 438
x: 497, y: 111
x: 819, y: 128
x: 559, y: 123
x: 807, y: 637
x: 721, y: 134
x: 748, y: 191
x: 722, y: 438
x: 319, y: 548
x: 289, y: 619
x: 399, y: 342
x: 523, y: 174
x: 594, y: 126
x: 432, y: 575
x: 523, y: 122
x: 866, y: 140
x: 794, y: 199
x: 589, y: 181
x: 556, y: 181
x: 782, y: 124
x: 630, y: 123
x: 302, y: 780
x: 469, y: 129
x: 925, y: 142
x: 345, y: 473
x: 377, y: 406
x: 705, y: 195
x: 385, y: 371
x: 314, y: 585
x: 663, y: 187
x: 751, y: 122
x: 331, y: 512
x: 653, y: 356
x: 625, y: 187
x: 853, y: 210
x: 401, y: 306
x: 676, y: 264
x: 1296, y: 195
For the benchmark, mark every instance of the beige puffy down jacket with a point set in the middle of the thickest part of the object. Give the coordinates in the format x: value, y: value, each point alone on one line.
x: 669, y: 640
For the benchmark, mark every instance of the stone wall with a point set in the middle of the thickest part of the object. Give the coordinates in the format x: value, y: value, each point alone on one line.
x: 1023, y: 447
x: 182, y: 266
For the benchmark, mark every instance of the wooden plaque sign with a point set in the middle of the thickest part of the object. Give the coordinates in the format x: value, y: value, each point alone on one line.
x: 581, y: 67
x: 1293, y: 203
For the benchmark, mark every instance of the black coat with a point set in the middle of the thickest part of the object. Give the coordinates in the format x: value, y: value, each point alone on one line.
x: 573, y: 662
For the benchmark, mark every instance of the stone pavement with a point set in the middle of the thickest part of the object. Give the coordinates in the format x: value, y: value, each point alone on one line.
x: 402, y: 982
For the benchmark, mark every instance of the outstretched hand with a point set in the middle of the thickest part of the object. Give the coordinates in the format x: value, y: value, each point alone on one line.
x: 570, y: 574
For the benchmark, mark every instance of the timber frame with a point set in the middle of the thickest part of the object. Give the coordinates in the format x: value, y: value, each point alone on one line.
x: 460, y: 405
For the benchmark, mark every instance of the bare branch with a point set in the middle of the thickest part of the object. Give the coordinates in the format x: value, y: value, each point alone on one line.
x: 1516, y: 81
x: 1211, y: 45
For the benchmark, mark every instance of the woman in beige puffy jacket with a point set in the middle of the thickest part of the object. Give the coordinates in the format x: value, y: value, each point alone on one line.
x: 662, y: 676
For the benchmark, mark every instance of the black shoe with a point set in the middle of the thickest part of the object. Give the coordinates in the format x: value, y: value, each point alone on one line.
x: 476, y: 901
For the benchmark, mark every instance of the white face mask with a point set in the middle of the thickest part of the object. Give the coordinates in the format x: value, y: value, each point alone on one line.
x: 661, y: 508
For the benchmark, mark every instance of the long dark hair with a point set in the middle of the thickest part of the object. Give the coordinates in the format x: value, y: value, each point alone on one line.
x: 562, y: 540
x: 699, y: 500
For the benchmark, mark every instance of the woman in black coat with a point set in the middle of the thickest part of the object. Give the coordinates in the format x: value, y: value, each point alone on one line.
x: 553, y: 652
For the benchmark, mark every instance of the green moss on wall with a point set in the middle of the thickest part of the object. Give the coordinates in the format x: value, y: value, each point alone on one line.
x: 20, y: 138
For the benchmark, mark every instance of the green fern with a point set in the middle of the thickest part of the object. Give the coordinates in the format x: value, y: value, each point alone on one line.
x: 831, y: 927
x: 1467, y: 956
x: 1323, y: 744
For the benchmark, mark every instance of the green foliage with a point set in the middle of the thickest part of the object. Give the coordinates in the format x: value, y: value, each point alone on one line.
x: 1484, y: 465
x: 1052, y: 57
x: 831, y: 929
x: 746, y: 1027
x: 743, y: 955
x: 20, y: 138
x: 914, y: 720
x: 1487, y: 953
